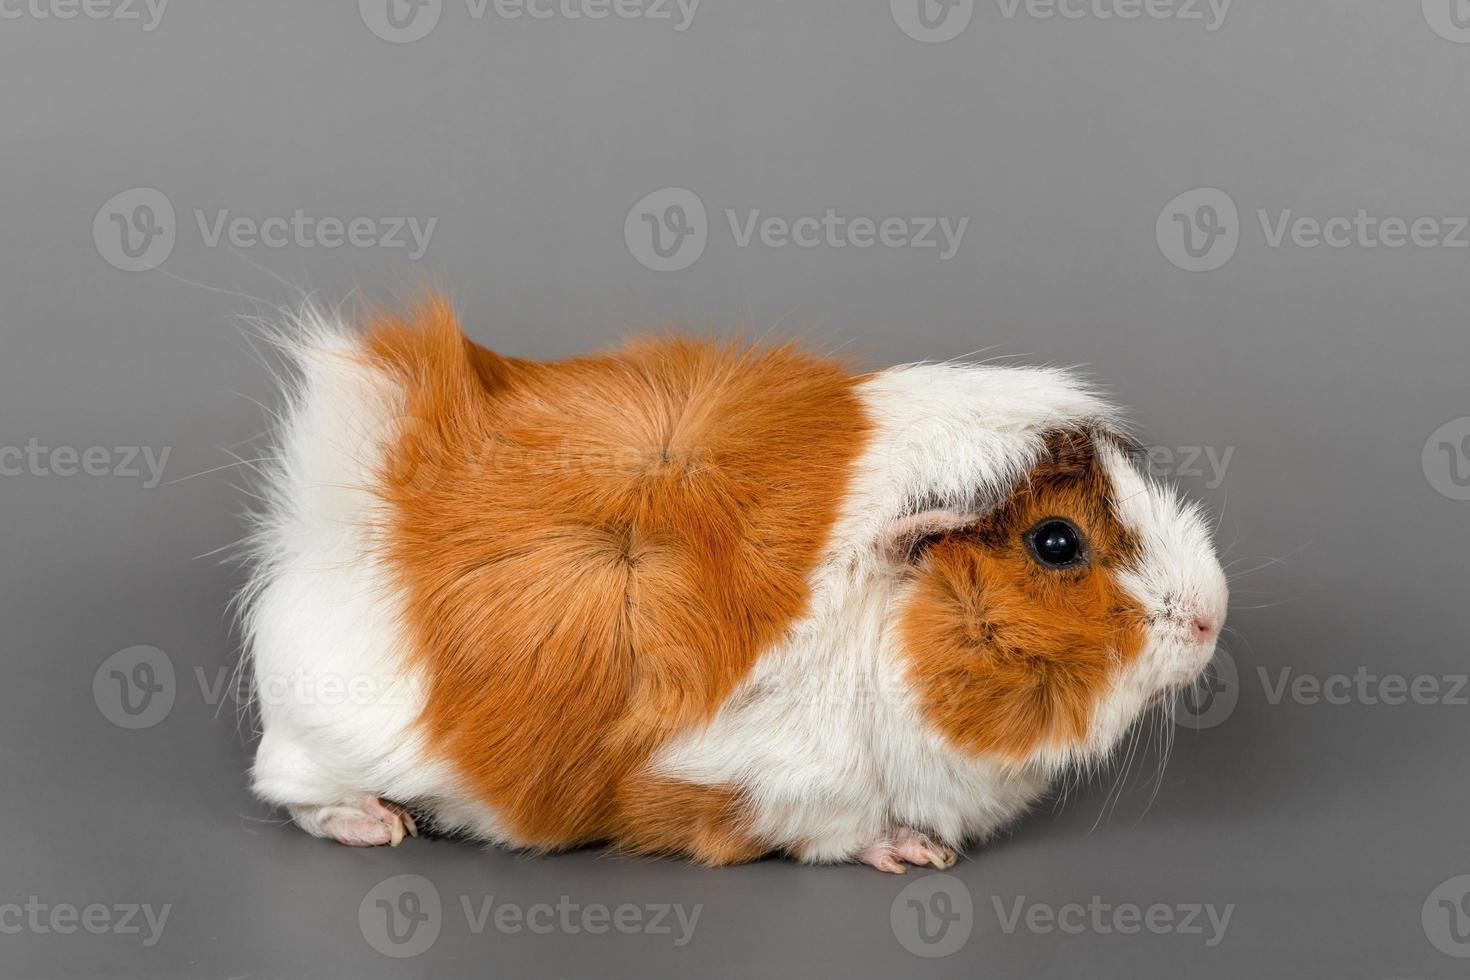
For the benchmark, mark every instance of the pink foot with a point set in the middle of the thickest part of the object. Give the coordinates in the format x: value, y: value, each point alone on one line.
x: 364, y: 822
x: 907, y: 846
x: 916, y: 848
x: 881, y: 856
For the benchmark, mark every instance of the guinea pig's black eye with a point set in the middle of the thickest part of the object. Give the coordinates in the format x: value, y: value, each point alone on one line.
x: 1055, y: 543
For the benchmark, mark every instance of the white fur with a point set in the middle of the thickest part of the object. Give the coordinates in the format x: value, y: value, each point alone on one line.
x: 337, y: 703
x: 824, y: 737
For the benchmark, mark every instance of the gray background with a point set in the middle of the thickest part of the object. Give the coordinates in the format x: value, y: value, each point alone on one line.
x: 1325, y: 370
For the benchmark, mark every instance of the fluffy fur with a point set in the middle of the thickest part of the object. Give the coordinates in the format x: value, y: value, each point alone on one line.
x: 700, y: 598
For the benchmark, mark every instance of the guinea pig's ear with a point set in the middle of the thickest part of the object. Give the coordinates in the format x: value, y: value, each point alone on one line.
x: 904, y: 538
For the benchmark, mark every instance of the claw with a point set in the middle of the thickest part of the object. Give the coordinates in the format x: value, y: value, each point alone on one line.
x: 916, y: 848
x: 907, y: 846
x: 400, y: 821
x: 880, y: 857
x: 364, y: 822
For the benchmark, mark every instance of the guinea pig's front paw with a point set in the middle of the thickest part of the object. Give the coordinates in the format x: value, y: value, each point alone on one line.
x: 364, y: 822
x: 907, y: 845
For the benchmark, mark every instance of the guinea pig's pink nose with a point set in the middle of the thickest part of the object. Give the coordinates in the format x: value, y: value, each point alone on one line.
x: 1205, y: 627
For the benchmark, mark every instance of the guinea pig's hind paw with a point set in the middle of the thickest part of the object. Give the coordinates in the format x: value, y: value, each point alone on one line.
x: 364, y: 822
x: 882, y: 857
x: 917, y: 848
x: 907, y: 847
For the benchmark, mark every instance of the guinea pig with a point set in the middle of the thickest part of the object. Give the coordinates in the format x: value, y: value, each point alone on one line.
x: 700, y: 597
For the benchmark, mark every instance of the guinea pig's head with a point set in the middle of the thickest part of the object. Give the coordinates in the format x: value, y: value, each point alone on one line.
x: 1039, y: 629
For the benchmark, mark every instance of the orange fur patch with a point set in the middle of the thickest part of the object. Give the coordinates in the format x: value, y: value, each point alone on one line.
x: 1007, y: 654
x: 666, y: 816
x: 595, y: 551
